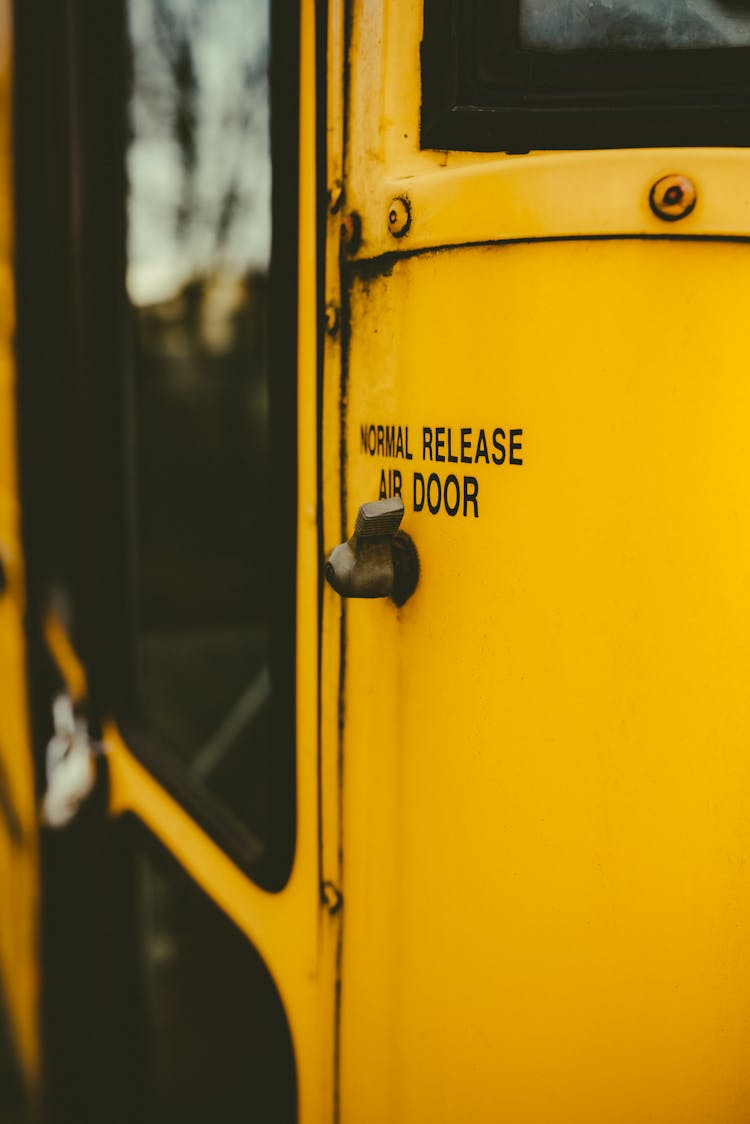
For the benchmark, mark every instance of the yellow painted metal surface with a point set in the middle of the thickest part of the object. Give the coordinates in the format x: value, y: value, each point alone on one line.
x: 547, y: 784
x: 18, y: 841
x: 65, y: 656
x: 531, y: 782
x: 465, y: 197
x: 294, y: 934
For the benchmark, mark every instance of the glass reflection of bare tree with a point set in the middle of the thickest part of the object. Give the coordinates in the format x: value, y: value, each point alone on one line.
x: 634, y: 24
x: 199, y: 238
x: 199, y: 161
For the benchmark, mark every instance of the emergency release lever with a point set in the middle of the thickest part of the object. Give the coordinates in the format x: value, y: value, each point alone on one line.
x: 379, y: 560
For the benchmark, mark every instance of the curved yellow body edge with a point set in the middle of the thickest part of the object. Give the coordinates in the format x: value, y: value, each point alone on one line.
x: 294, y: 934
x: 19, y: 878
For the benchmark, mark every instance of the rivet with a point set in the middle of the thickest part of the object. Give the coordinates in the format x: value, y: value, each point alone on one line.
x: 332, y: 318
x: 672, y: 197
x: 335, y: 196
x: 351, y: 232
x: 399, y: 216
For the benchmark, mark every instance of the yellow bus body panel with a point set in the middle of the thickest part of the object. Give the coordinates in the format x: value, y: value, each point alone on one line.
x: 18, y: 841
x: 546, y: 770
x: 294, y: 935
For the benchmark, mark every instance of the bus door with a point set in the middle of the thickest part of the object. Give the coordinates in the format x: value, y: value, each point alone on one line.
x: 167, y: 179
x: 537, y: 353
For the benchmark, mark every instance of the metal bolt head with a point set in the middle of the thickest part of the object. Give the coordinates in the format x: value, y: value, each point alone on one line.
x: 399, y: 216
x: 351, y: 232
x: 672, y: 198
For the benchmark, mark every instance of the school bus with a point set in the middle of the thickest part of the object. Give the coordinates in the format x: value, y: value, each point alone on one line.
x: 375, y: 543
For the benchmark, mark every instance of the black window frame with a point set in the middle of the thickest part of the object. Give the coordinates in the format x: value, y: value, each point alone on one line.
x: 75, y: 348
x: 268, y: 863
x: 482, y: 91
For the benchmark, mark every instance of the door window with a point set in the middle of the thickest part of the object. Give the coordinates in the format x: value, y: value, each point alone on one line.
x: 514, y: 75
x: 211, y: 486
x: 164, y: 391
x: 636, y: 25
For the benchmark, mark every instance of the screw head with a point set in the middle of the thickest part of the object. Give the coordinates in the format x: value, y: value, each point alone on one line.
x: 399, y: 216
x: 672, y: 197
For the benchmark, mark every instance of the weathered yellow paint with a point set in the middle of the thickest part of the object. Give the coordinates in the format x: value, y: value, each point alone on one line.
x: 547, y: 786
x: 545, y: 829
x: 291, y: 931
x: 565, y: 195
x: 288, y: 929
x: 462, y: 197
x: 330, y: 484
x: 18, y: 839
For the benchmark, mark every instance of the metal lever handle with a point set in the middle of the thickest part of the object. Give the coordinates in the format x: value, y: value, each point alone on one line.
x: 379, y: 560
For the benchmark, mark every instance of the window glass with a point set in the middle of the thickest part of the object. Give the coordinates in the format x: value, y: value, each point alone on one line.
x: 634, y: 24
x: 198, y: 267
